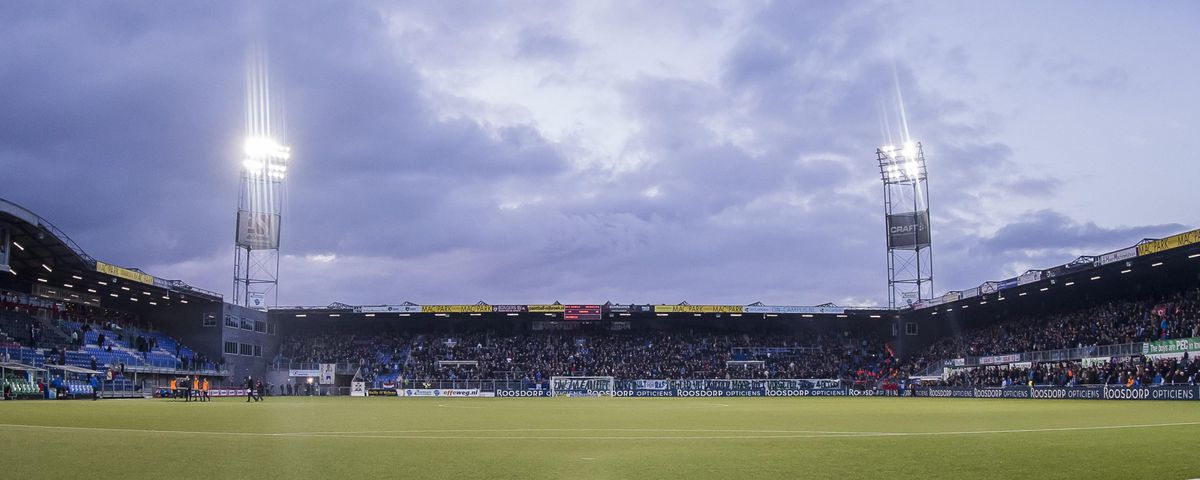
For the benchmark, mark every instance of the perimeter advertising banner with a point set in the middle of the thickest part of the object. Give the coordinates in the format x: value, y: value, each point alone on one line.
x: 1169, y: 347
x: 113, y: 270
x: 389, y: 309
x: 790, y: 309
x: 1124, y: 254
x: 699, y: 309
x: 257, y: 230
x: 510, y: 308
x: 1029, y: 277
x: 1173, y: 241
x: 437, y: 392
x: 456, y: 308
x: 545, y: 308
x: 630, y: 308
x: 908, y: 230
x: 1165, y: 392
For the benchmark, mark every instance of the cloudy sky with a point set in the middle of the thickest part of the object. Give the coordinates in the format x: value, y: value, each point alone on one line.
x: 633, y: 151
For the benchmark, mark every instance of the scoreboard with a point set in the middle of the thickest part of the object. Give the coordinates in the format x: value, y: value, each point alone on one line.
x: 582, y: 312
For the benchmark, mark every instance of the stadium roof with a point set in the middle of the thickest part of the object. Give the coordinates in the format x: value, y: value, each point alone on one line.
x: 46, y: 255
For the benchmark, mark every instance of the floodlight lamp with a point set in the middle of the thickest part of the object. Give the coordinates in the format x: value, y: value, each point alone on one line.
x: 258, y: 147
x: 910, y: 151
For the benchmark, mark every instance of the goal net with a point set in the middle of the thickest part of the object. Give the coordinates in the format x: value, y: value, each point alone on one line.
x: 582, y: 386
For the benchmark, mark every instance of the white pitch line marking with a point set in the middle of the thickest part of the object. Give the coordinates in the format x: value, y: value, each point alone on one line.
x: 612, y: 437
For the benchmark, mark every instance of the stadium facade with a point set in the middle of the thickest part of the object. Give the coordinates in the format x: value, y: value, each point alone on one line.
x: 55, y: 287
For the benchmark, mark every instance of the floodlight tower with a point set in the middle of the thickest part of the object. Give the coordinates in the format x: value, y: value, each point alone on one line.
x: 906, y: 209
x: 260, y: 199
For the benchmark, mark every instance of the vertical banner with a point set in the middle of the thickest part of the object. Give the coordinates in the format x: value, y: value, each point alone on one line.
x: 4, y: 242
x: 326, y: 373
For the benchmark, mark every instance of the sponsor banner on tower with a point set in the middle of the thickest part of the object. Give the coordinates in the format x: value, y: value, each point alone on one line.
x: 510, y: 308
x: 456, y: 308
x: 974, y: 292
x: 1007, y: 284
x: 793, y: 309
x: 257, y: 230
x: 908, y: 230
x: 989, y: 287
x: 1173, y: 241
x: 127, y: 274
x: 699, y: 309
x: 545, y: 308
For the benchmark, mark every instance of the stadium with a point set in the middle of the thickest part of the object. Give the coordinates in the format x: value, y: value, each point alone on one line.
x: 1080, y: 368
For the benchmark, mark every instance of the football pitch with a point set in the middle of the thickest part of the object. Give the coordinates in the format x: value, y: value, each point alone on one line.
x: 495, y: 438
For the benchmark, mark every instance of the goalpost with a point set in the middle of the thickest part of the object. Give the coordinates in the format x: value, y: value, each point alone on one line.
x: 582, y: 386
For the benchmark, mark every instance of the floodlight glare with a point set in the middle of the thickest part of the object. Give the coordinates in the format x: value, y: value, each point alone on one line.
x: 257, y: 147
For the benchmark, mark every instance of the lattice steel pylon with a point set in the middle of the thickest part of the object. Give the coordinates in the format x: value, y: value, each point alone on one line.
x: 906, y: 213
x: 261, y: 197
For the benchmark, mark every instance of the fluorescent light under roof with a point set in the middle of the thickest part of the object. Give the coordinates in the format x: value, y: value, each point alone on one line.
x: 370, y: 315
x: 1127, y: 270
x: 102, y: 283
x: 1155, y: 264
x: 42, y: 280
x: 77, y: 277
x: 47, y: 268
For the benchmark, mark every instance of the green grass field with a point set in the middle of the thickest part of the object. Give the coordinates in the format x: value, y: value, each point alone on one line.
x: 779, y: 438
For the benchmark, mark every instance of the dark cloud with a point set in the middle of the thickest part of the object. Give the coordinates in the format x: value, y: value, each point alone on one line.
x: 758, y: 183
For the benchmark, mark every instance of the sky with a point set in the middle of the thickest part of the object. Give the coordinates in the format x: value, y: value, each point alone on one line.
x: 624, y: 151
